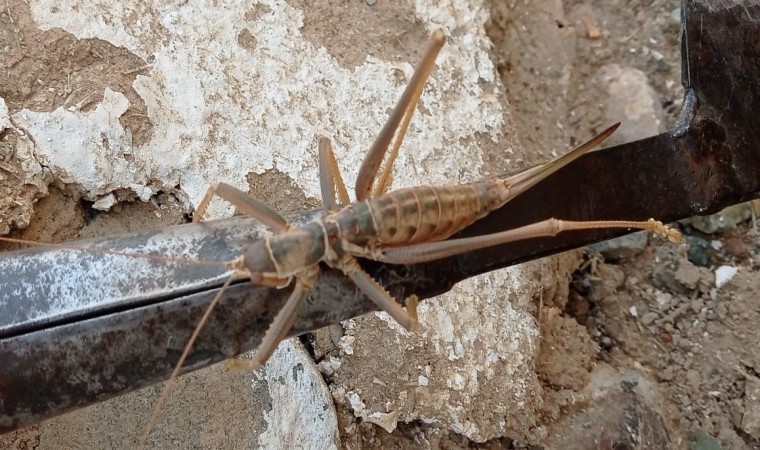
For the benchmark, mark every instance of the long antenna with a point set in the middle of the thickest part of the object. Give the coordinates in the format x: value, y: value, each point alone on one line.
x: 165, y: 393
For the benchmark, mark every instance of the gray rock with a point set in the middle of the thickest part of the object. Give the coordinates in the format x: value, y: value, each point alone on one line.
x: 725, y: 220
x: 302, y: 408
x: 632, y: 100
x: 700, y: 251
x: 622, y: 247
x: 703, y: 441
x: 751, y: 419
x: 682, y: 277
x: 622, y: 408
x: 648, y: 318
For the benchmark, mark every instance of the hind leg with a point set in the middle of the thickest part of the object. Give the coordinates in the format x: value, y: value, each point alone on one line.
x: 398, y: 120
x: 432, y: 251
x: 397, y: 124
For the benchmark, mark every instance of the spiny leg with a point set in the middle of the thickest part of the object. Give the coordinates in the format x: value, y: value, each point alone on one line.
x: 330, y: 179
x: 381, y: 297
x: 551, y: 227
x: 244, y: 202
x: 404, y: 107
x: 281, y: 324
x: 402, y: 113
x: 185, y: 352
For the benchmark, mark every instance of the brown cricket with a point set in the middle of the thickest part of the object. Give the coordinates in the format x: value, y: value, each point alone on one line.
x: 403, y: 227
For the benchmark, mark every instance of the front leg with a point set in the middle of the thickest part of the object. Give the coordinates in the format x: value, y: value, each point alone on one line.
x: 244, y: 202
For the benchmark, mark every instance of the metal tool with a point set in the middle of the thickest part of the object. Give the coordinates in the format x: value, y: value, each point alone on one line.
x: 78, y: 327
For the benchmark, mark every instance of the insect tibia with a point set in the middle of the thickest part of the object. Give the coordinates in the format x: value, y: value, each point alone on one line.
x: 651, y: 225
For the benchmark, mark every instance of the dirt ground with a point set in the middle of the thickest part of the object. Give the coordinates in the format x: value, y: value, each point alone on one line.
x: 658, y: 311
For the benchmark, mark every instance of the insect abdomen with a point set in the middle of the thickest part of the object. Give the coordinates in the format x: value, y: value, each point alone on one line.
x: 427, y: 213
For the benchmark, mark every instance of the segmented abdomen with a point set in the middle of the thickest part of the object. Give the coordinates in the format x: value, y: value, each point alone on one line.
x: 419, y: 214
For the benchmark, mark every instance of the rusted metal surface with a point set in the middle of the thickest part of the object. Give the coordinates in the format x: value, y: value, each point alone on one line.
x: 83, y: 342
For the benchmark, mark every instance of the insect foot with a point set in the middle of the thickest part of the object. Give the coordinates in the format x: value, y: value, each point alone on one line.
x: 659, y: 228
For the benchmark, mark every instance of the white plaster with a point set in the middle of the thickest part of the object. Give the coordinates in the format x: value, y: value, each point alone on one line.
x: 5, y: 120
x: 302, y: 413
x: 267, y: 105
x: 87, y: 148
x: 33, y: 172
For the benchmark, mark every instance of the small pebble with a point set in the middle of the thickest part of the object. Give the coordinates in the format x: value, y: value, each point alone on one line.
x: 699, y: 251
x: 632, y: 98
x: 724, y: 274
x: 693, y: 378
x: 687, y: 275
x: 667, y: 374
x: 704, y: 441
x: 648, y: 318
x: 622, y: 247
x: 724, y: 220
x: 663, y: 299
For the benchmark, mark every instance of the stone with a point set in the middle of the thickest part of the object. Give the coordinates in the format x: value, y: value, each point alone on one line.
x: 699, y: 251
x: 725, y: 220
x: 632, y: 100
x: 648, y: 318
x: 621, y: 247
x: 704, y: 441
x: 614, y: 405
x: 724, y: 274
x: 687, y: 275
x: 751, y: 418
x: 467, y: 343
x: 302, y: 407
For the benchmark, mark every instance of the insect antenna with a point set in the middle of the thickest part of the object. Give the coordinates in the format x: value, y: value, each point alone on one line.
x: 165, y: 392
